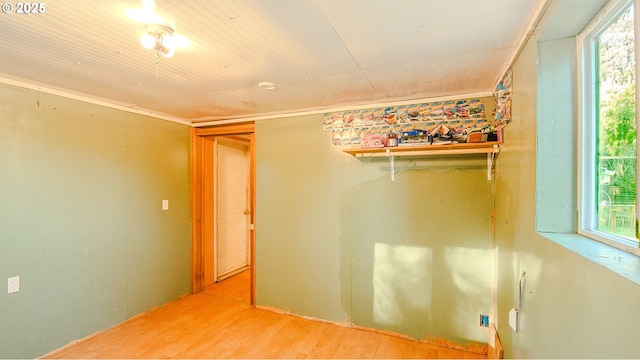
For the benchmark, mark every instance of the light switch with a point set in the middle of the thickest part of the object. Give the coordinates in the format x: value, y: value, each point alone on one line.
x: 165, y: 204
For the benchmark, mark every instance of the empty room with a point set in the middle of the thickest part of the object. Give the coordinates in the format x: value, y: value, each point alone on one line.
x: 319, y: 179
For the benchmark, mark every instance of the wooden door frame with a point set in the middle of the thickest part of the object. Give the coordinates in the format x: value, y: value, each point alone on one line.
x: 200, y: 168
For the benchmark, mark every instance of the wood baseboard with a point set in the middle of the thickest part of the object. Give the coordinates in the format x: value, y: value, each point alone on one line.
x: 344, y: 324
x: 472, y: 347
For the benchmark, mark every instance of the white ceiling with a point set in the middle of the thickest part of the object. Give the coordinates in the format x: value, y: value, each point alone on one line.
x: 320, y: 54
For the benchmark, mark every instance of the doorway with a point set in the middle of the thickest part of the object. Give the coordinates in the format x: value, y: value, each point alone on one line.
x: 223, y: 203
x: 231, y: 228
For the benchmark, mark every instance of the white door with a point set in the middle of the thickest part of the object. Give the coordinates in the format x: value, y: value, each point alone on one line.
x: 232, y: 219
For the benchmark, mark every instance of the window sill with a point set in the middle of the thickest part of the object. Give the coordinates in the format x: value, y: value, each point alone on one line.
x: 620, y: 262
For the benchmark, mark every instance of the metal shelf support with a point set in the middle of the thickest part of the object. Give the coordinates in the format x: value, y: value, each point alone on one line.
x: 490, y: 157
x: 392, y: 163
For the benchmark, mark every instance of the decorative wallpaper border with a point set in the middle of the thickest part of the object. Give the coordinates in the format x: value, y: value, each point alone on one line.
x: 457, y: 116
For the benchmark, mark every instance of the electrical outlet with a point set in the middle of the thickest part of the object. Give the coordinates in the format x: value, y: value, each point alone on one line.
x: 484, y: 320
x: 513, y: 319
x: 13, y: 284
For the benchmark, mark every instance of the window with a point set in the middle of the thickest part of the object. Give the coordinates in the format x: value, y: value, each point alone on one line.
x: 608, y: 161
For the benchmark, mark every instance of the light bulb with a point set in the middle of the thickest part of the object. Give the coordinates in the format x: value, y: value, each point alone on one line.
x: 148, y: 4
x: 148, y: 41
x: 168, y: 41
x: 168, y: 52
x: 144, y: 16
x: 179, y: 41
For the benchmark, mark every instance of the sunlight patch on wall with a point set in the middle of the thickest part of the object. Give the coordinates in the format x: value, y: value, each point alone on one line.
x: 470, y: 271
x: 464, y: 265
x: 401, y: 283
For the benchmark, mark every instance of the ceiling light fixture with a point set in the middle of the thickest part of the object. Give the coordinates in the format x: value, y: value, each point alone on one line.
x: 158, y: 38
x: 160, y: 35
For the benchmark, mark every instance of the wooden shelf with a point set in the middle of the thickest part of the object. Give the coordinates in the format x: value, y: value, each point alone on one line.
x: 491, y: 147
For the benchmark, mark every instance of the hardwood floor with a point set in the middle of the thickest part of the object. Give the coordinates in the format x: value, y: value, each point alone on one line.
x: 220, y: 323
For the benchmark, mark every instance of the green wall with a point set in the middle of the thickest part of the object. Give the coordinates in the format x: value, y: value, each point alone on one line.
x: 303, y: 251
x: 80, y: 222
x: 572, y: 307
x: 80, y: 218
x: 336, y: 239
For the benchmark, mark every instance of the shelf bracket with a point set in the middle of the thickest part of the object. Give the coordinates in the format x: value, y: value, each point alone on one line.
x: 490, y: 157
x: 393, y: 165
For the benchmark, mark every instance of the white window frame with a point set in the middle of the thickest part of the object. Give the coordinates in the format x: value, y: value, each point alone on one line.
x: 587, y: 199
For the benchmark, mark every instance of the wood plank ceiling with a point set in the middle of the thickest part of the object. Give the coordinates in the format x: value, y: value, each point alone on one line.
x: 320, y: 54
